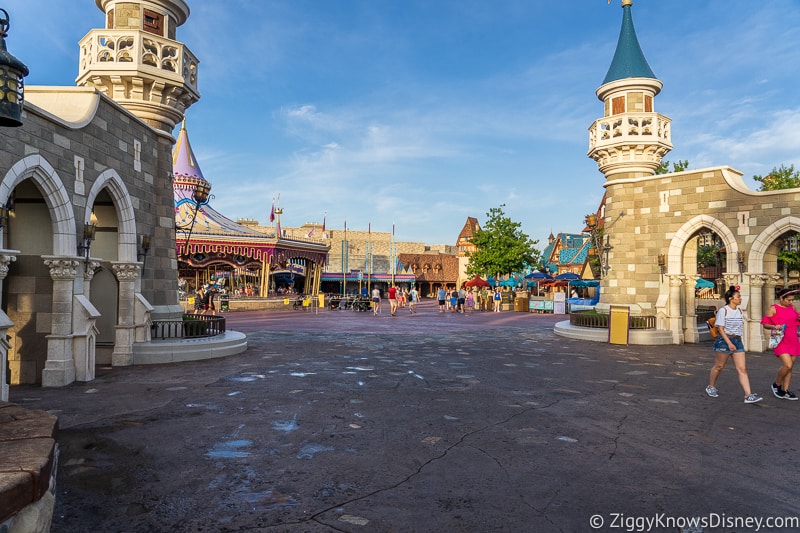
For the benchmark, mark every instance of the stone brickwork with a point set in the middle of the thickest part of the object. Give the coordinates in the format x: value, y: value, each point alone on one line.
x: 653, y: 221
x: 664, y: 214
x: 109, y: 163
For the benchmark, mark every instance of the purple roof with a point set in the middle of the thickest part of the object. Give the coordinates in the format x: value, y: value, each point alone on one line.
x: 184, y: 163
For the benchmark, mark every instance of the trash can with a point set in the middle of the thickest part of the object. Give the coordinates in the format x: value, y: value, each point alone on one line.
x: 521, y: 304
x: 224, y: 304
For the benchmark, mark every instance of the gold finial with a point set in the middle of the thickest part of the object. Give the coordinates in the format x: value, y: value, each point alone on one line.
x: 627, y: 3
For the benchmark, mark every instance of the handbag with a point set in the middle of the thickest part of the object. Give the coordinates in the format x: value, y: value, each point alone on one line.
x: 776, y: 336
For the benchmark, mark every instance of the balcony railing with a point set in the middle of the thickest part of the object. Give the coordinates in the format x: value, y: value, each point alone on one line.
x: 190, y: 327
x: 627, y: 128
x: 125, y: 50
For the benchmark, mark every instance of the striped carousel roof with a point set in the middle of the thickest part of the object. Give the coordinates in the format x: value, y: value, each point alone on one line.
x: 213, y: 235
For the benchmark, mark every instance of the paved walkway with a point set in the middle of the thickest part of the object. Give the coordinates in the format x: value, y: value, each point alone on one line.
x: 342, y: 421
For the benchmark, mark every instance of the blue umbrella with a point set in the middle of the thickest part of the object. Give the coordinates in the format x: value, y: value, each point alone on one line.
x: 510, y: 282
x: 536, y: 275
x: 568, y: 276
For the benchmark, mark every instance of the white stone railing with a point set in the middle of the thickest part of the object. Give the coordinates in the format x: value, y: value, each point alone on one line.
x: 125, y: 50
x: 630, y: 128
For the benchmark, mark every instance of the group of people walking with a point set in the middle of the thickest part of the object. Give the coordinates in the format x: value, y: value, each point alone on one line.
x: 397, y: 299
x: 455, y: 301
x: 465, y: 301
x: 782, y: 321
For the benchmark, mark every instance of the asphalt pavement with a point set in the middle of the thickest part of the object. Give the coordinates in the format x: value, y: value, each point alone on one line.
x: 340, y: 421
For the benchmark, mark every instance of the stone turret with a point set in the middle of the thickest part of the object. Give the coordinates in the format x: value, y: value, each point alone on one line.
x: 137, y: 62
x: 631, y: 138
x: 628, y: 144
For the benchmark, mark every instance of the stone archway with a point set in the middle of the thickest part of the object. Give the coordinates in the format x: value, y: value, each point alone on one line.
x: 49, y: 270
x: 127, y: 269
x: 677, y: 296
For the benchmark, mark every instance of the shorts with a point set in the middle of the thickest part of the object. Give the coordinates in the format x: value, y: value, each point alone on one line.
x: 441, y: 302
x: 461, y: 301
x: 376, y: 300
x: 721, y: 346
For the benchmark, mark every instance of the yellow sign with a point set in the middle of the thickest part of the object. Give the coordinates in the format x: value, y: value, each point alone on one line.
x: 286, y: 301
x: 618, y: 324
x: 321, y: 298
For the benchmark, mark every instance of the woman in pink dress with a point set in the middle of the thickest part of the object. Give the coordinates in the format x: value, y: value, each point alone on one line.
x: 783, y: 315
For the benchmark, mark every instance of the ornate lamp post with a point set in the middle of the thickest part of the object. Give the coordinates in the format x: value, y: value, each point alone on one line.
x: 12, y: 70
x: 200, y: 197
x: 85, y: 244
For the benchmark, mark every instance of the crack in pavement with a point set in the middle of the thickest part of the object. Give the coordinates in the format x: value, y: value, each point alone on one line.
x: 316, y: 516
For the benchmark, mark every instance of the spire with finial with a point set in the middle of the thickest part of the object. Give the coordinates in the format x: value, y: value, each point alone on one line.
x: 631, y: 138
x: 185, y: 168
x: 629, y: 60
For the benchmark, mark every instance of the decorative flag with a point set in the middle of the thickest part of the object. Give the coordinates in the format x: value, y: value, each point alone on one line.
x: 369, y: 228
x: 310, y: 233
x: 323, y: 221
x: 272, y: 212
x: 392, y: 229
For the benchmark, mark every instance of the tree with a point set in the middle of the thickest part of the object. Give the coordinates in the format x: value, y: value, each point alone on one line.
x: 779, y: 178
x: 680, y: 166
x: 501, y: 247
x: 707, y: 255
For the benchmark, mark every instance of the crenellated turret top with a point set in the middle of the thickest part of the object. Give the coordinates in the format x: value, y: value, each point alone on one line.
x: 629, y: 61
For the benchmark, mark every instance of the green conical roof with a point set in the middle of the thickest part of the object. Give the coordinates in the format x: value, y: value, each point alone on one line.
x: 629, y: 61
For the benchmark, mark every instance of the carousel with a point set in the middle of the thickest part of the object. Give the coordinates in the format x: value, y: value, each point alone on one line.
x: 237, y: 260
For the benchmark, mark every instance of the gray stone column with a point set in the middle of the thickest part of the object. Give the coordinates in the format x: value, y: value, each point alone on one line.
x: 59, y: 369
x: 690, y: 332
x: 90, y: 268
x: 674, y: 318
x: 772, y: 281
x: 757, y: 340
x: 6, y: 258
x: 127, y: 274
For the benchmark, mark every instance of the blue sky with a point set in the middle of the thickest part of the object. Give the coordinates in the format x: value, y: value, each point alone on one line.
x: 424, y: 112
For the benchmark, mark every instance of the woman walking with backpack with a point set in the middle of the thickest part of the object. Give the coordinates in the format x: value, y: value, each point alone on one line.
x: 730, y: 323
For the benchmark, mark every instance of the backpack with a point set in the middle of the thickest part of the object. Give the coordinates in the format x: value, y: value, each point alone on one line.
x: 712, y: 325
x: 712, y: 328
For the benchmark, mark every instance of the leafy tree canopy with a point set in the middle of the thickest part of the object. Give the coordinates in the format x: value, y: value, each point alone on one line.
x: 680, y: 166
x: 501, y: 247
x: 779, y: 178
x: 707, y: 255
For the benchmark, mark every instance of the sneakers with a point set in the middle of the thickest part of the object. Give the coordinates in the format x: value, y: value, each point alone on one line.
x: 789, y: 395
x: 777, y: 391
x: 712, y: 391
x: 752, y: 398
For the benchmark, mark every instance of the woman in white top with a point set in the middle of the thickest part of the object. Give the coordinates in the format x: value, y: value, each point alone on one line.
x: 730, y: 324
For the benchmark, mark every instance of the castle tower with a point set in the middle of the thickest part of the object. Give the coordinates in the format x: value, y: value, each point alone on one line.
x: 628, y: 144
x: 137, y: 62
x: 631, y: 138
